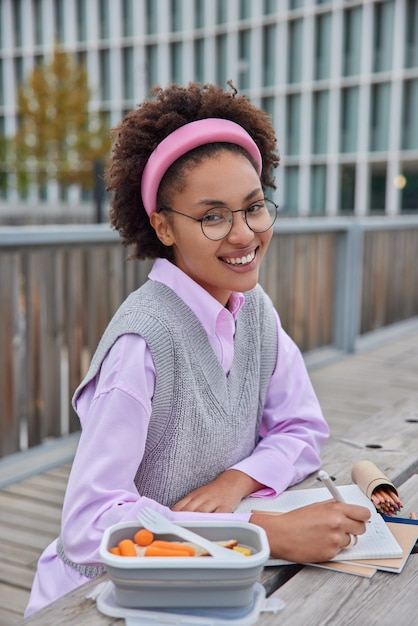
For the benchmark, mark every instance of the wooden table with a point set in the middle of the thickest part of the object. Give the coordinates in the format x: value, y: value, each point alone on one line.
x: 315, y: 597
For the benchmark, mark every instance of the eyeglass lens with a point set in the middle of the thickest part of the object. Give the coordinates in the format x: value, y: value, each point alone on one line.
x: 260, y: 216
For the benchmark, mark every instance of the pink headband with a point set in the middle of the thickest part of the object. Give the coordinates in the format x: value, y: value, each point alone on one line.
x: 184, y: 139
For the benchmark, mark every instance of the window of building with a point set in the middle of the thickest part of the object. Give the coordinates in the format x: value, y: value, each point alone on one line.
x: 176, y: 15
x: 199, y: 13
x: 128, y: 73
x: 383, y: 36
x: 152, y: 16
x: 104, y: 26
x: 409, y: 194
x: 17, y: 22
x: 295, y: 51
x: 379, y: 122
x: 81, y: 20
x: 267, y: 104
x: 23, y: 188
x: 3, y: 180
x: 291, y: 204
x: 63, y: 192
x: 244, y: 9
x: 293, y: 109
x: 318, y: 189
x: 269, y: 55
x: 59, y: 20
x: 1, y: 88
x: 352, y: 41
x: 322, y: 45
x: 199, y: 60
x: 347, y: 188
x: 244, y: 55
x: 37, y: 25
x: 3, y: 171
x: 296, y: 4
x: 42, y: 191
x: 320, y: 122
x: 104, y: 64
x: 176, y: 62
x: 269, y: 7
x: 377, y: 188
x: 18, y: 70
x: 127, y: 18
x: 349, y: 117
x: 221, y: 12
x: 86, y: 195
x: 411, y: 31
x: 151, y: 53
x: 221, y: 61
x: 409, y: 117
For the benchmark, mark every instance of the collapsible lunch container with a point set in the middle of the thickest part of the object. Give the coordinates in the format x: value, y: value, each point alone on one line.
x: 201, y: 581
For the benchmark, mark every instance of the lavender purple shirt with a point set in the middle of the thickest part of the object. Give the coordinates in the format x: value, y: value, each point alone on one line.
x: 114, y: 412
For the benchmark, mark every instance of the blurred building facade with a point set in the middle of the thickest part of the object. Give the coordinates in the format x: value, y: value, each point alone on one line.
x: 339, y: 78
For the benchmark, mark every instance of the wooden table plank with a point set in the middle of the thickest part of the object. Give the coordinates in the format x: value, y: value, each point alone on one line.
x: 14, y: 599
x: 313, y: 596
x: 359, y: 385
x: 394, y: 432
x: 13, y: 519
x: 26, y: 506
x: 15, y: 553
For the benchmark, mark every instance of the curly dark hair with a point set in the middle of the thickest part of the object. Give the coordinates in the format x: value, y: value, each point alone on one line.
x: 142, y: 129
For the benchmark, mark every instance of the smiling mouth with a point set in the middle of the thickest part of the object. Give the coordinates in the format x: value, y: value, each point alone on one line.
x: 242, y: 260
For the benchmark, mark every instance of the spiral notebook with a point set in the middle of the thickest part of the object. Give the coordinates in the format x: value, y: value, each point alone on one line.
x: 377, y: 542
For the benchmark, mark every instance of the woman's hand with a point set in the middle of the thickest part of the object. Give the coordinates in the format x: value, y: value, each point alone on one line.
x: 222, y: 495
x: 313, y: 533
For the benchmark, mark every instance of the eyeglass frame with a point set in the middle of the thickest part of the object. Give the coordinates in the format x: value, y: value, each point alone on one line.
x: 200, y: 219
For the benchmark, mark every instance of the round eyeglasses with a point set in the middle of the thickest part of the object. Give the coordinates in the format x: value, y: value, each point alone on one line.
x: 217, y: 223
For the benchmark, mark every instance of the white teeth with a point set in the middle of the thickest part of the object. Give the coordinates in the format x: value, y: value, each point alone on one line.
x: 241, y: 260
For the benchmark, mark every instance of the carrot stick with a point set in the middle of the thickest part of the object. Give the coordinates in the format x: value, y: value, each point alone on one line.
x: 172, y: 545
x: 152, y: 551
x: 115, y: 550
x: 127, y: 547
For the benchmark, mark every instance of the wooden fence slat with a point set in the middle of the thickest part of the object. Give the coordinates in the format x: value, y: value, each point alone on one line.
x: 32, y: 276
x: 10, y: 350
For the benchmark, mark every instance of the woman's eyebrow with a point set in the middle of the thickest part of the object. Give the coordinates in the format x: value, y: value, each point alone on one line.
x: 211, y: 201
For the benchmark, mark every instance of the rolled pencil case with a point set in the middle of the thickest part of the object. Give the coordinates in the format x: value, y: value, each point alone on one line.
x: 369, y: 477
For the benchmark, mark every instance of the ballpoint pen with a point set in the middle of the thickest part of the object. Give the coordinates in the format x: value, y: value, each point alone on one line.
x: 324, y: 477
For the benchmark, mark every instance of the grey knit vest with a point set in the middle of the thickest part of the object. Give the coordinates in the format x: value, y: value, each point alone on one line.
x: 202, y: 421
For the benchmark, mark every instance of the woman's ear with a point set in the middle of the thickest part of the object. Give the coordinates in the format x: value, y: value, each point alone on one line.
x: 162, y: 228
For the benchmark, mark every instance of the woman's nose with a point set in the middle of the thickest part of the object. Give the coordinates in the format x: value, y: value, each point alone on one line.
x: 240, y: 230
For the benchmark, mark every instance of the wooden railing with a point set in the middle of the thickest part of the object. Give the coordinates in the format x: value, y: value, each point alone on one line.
x: 331, y: 280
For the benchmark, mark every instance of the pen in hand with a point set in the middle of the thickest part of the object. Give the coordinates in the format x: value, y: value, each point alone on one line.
x: 324, y: 477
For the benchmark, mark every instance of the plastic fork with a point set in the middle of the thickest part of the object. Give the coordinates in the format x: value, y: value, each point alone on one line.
x: 159, y: 524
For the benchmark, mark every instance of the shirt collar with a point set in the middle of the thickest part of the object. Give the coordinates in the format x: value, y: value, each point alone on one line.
x: 206, y: 308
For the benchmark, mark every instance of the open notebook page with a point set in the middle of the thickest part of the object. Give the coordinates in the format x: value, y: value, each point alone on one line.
x: 377, y: 542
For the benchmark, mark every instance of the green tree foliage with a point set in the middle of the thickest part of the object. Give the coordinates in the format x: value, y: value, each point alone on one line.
x: 58, y: 138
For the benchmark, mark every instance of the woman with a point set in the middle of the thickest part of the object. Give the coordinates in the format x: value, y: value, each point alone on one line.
x: 196, y: 397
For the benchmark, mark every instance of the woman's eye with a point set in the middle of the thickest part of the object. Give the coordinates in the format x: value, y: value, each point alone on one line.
x: 213, y: 217
x: 255, y: 208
